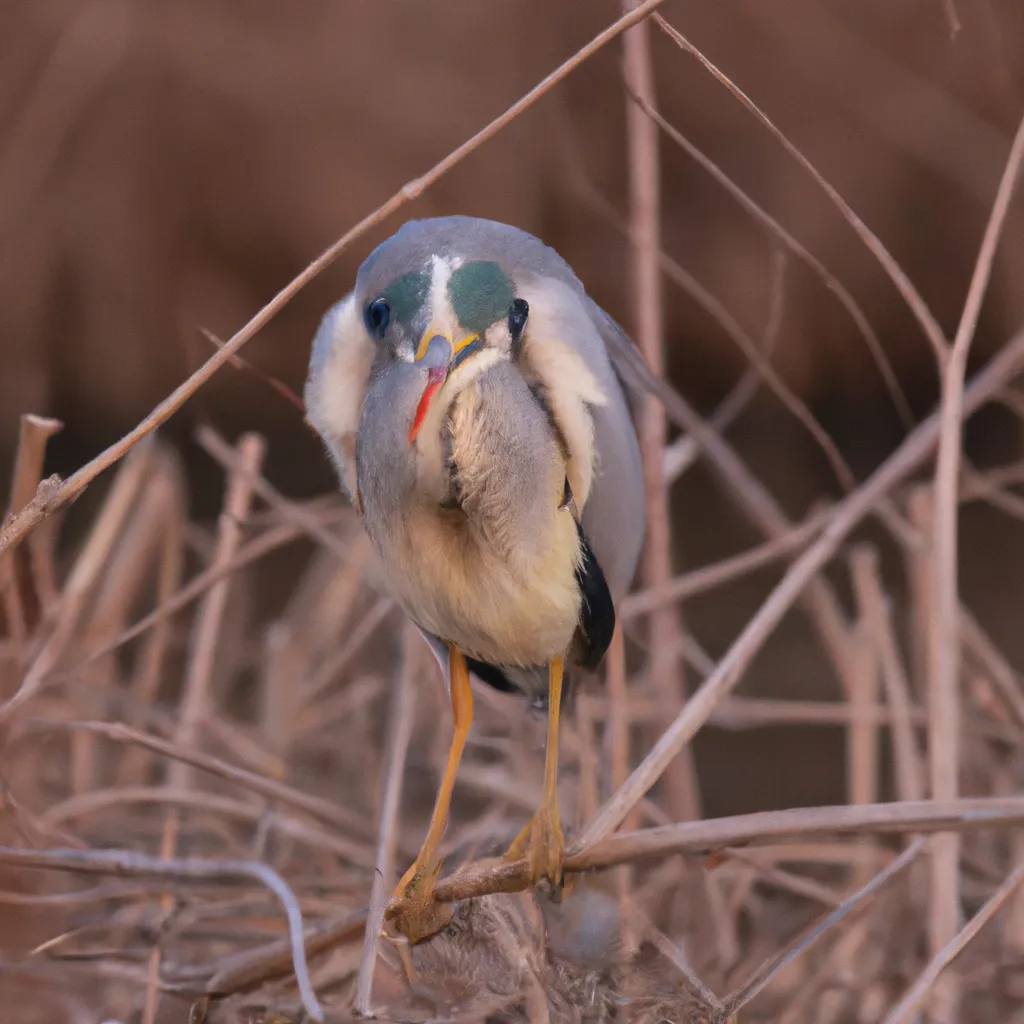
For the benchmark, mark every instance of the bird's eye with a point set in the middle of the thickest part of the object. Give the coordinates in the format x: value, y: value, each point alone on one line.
x: 377, y: 317
x: 517, y: 314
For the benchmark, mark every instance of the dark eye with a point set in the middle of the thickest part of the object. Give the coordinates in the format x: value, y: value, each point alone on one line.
x: 377, y: 317
x: 517, y: 314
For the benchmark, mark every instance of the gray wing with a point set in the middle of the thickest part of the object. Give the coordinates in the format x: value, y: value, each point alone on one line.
x: 614, y: 519
x: 633, y: 373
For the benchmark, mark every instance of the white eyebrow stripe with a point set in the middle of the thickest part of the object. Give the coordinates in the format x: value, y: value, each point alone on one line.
x: 442, y: 313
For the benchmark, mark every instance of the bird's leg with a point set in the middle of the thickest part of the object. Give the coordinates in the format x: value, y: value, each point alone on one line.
x: 413, y: 908
x: 541, y: 842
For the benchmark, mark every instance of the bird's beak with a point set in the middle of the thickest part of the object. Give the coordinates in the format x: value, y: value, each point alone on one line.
x: 439, y: 356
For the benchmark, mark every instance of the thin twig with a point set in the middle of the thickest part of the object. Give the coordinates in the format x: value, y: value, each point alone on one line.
x: 871, y: 599
x: 944, y: 635
x: 829, y: 279
x: 326, y: 811
x: 33, y: 434
x: 932, y: 330
x: 195, y: 700
x: 907, y: 1007
x: 726, y: 570
x: 764, y: 975
x: 213, y: 444
x: 88, y: 566
x: 681, y: 791
x: 125, y: 864
x: 403, y: 714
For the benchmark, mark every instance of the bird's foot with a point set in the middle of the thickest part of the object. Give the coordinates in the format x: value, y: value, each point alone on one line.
x: 542, y: 844
x: 413, y: 909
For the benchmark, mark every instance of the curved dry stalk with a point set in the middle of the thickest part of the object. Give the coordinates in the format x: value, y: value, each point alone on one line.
x: 125, y: 864
x: 92, y: 801
x: 324, y: 810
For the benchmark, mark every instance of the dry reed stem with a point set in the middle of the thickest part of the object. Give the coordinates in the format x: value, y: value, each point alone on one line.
x: 53, y: 494
x: 944, y: 636
x: 255, y: 549
x: 862, y: 757
x: 326, y: 811
x: 917, y: 446
x: 618, y: 721
x: 196, y: 703
x: 88, y: 566
x: 402, y: 718
x: 124, y: 864
x: 762, y: 367
x: 790, y: 243
x: 727, y: 570
x: 681, y: 787
x: 929, y: 325
x: 996, y: 667
x: 923, y: 987
x: 150, y: 662
x: 871, y: 600
x: 33, y: 434
x: 679, y: 456
x: 764, y: 975
x: 158, y: 520
x: 765, y: 827
x: 215, y: 446
x: 754, y: 500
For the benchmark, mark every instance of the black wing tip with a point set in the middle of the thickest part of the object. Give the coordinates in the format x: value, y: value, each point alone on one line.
x: 597, y: 613
x: 491, y: 675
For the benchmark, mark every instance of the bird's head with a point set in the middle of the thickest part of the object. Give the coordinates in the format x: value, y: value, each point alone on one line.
x: 434, y: 307
x: 438, y: 314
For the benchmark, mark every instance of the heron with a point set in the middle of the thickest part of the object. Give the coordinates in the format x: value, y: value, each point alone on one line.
x: 473, y: 399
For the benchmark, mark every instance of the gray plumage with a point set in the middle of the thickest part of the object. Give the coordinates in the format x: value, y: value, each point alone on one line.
x: 469, y: 520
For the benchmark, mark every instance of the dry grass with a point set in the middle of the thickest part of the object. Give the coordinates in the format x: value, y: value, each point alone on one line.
x: 209, y: 783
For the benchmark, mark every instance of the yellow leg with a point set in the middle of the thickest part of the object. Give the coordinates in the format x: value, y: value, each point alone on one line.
x: 412, y: 908
x: 541, y: 842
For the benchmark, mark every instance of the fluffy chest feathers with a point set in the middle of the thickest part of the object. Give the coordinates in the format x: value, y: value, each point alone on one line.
x: 492, y: 569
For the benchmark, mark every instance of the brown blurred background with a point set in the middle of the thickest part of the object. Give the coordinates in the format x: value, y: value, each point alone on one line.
x: 167, y: 167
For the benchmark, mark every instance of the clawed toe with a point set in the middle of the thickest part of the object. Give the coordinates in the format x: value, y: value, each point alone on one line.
x: 413, y: 909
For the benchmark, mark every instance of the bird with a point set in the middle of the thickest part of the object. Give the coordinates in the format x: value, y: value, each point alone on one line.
x: 476, y: 404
